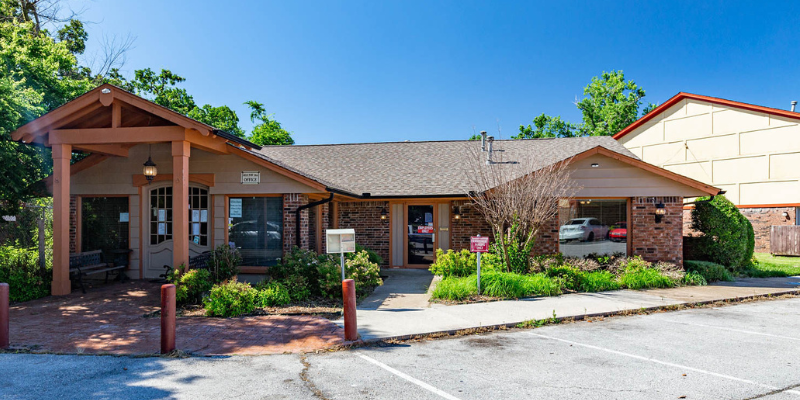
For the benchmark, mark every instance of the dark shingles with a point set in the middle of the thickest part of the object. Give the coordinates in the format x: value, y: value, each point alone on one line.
x: 417, y: 168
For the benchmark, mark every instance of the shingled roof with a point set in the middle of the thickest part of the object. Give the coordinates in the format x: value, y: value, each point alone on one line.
x: 417, y: 169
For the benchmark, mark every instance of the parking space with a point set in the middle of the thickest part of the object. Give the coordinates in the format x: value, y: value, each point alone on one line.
x: 746, y: 351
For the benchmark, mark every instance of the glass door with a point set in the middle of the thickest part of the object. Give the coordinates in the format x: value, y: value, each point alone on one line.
x: 421, y: 246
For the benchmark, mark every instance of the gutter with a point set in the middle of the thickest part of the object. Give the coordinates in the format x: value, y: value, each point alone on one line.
x: 721, y: 192
x: 297, y: 216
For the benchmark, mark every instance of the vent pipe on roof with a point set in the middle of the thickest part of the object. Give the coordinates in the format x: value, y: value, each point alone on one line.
x: 489, y: 139
x: 483, y: 140
x: 794, y: 104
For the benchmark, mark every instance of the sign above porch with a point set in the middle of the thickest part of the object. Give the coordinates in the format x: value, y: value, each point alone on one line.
x: 251, y: 177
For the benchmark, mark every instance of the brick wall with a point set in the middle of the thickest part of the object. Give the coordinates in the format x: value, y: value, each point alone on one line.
x: 73, y: 224
x: 290, y: 203
x: 371, y: 231
x: 657, y: 241
x: 471, y: 223
x: 312, y: 228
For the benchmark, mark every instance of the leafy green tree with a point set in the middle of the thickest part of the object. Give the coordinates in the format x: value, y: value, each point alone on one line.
x: 545, y: 126
x: 159, y: 88
x: 221, y: 117
x: 37, y: 74
x: 269, y: 131
x: 612, y: 103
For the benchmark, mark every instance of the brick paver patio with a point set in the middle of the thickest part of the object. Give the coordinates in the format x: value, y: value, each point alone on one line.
x: 111, y: 319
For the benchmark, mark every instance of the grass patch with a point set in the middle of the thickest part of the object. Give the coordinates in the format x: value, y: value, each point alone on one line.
x: 767, y: 265
x: 599, y: 281
x: 644, y: 278
x: 456, y: 288
x: 496, y: 284
x: 712, y: 272
x: 694, y: 278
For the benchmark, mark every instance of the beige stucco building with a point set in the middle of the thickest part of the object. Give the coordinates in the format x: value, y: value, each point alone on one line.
x: 751, y: 152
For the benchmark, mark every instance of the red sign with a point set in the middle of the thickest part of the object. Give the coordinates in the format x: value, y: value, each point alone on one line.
x: 479, y: 244
x: 424, y: 229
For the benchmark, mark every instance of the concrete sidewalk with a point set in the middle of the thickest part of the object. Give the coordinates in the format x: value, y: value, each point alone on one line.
x: 377, y: 322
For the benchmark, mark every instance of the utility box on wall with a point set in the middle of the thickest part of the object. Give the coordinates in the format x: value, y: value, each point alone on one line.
x: 340, y: 240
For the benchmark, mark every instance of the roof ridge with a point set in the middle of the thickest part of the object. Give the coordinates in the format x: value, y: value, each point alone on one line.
x: 426, y: 141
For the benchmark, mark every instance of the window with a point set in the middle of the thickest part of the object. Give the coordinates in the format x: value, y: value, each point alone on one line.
x: 161, y: 217
x: 255, y: 227
x: 593, y: 226
x: 198, y: 216
x: 104, y: 224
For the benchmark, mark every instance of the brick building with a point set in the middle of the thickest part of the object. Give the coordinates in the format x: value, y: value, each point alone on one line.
x: 201, y: 188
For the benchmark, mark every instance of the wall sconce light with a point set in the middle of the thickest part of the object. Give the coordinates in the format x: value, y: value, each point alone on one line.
x: 595, y: 165
x: 150, y: 171
x: 384, y: 214
x: 661, y: 211
x: 786, y: 215
x: 457, y: 214
x: 585, y: 202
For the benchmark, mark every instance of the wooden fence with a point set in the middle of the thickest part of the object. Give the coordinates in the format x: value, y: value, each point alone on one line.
x: 784, y: 240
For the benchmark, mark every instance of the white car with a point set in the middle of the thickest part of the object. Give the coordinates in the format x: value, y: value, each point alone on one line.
x: 583, y: 229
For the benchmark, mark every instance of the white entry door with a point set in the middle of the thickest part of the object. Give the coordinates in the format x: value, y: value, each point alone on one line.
x: 158, y: 227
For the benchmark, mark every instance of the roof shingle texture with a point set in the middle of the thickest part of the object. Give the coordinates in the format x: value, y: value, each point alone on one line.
x: 419, y: 168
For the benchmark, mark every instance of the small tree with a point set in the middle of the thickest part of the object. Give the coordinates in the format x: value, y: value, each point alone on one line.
x: 517, y: 197
x: 728, y: 236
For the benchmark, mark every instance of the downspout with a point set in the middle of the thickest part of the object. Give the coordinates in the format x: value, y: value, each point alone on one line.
x: 297, y: 216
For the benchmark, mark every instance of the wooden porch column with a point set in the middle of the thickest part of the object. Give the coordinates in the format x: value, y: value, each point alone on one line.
x: 62, y: 153
x: 180, y: 203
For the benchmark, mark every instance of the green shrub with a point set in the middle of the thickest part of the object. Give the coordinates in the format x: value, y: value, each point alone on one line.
x: 728, y: 237
x: 567, y: 276
x: 358, y: 268
x: 511, y: 285
x: 231, y: 300
x: 712, y: 272
x: 19, y: 268
x: 297, y: 287
x: 451, y: 263
x: 519, y: 257
x: 456, y: 288
x: 224, y: 263
x: 304, y: 263
x: 190, y: 286
x: 636, y: 277
x: 374, y: 257
x: 694, y: 278
x: 541, y: 262
x: 272, y: 294
x: 598, y: 281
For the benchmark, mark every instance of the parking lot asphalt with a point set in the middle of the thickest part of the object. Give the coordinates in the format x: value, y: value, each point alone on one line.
x: 744, y: 351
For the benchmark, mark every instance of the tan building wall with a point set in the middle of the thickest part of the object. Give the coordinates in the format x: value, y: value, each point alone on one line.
x: 753, y: 156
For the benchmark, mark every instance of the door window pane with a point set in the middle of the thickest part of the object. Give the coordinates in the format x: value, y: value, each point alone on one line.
x: 593, y: 226
x: 160, y: 215
x: 255, y: 227
x: 104, y: 224
x: 198, y: 216
x: 420, y: 234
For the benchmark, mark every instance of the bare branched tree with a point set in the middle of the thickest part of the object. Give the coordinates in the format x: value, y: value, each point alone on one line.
x: 517, y: 197
x: 112, y: 55
x: 44, y: 12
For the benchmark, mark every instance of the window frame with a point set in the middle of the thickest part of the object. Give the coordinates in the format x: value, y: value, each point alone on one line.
x: 253, y: 269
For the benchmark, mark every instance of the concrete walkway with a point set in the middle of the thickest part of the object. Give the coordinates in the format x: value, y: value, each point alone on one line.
x: 401, y: 289
x: 378, y: 322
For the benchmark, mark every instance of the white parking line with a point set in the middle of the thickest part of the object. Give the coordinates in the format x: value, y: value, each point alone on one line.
x: 734, y: 330
x: 669, y: 364
x: 409, y: 378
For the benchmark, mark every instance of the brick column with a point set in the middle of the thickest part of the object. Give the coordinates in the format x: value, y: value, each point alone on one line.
x: 657, y: 241
x: 180, y: 203
x: 291, y: 201
x: 62, y: 153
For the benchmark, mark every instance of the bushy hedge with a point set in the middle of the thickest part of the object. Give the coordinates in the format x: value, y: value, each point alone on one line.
x: 231, y: 299
x: 712, y: 272
x: 727, y: 236
x: 358, y: 267
x: 19, y: 267
x: 190, y: 285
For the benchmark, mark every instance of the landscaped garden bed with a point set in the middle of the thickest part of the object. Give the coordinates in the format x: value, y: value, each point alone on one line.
x: 549, y: 276
x: 303, y: 282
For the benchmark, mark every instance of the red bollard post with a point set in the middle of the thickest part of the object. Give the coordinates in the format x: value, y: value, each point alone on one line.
x: 167, y: 318
x: 350, y: 324
x: 4, y: 339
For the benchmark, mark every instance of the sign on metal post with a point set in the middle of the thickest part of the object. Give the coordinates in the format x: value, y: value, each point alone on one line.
x: 340, y: 241
x: 479, y: 244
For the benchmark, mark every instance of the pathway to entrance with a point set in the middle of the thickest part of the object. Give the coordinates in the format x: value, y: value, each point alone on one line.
x: 111, y: 319
x: 401, y: 289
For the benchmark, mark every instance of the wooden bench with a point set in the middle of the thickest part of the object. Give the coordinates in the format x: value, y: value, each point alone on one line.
x: 90, y: 263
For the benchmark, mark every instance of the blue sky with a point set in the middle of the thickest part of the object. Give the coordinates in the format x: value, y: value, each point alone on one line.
x: 364, y: 71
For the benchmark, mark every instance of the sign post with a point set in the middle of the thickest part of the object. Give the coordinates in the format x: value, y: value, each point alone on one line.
x: 479, y: 244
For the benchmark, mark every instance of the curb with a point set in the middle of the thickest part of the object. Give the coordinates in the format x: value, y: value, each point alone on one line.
x: 508, y: 325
